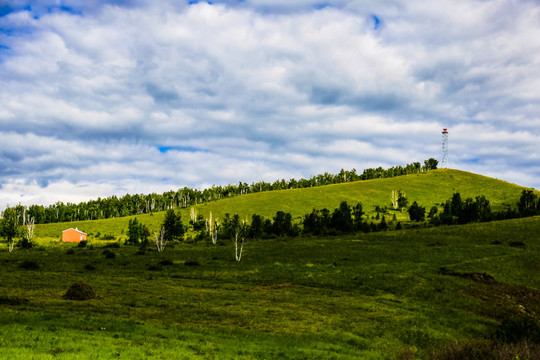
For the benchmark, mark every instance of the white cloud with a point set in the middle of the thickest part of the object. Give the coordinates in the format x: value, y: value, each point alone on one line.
x: 260, y: 90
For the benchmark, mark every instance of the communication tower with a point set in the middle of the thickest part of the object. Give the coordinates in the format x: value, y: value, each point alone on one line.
x: 444, y: 161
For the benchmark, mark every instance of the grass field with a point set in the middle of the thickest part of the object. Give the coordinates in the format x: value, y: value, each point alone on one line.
x: 429, y: 189
x: 368, y: 296
x: 375, y: 296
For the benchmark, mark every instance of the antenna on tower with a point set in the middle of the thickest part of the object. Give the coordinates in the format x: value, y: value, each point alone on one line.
x: 444, y: 161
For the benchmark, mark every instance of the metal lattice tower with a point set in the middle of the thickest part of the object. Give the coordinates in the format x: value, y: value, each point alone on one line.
x: 444, y: 161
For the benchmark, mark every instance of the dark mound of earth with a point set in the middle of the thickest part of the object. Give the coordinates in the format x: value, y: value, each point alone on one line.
x: 480, y: 277
x: 80, y: 290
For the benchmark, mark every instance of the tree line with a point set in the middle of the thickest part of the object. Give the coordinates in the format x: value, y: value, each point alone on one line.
x: 127, y: 205
x: 459, y: 211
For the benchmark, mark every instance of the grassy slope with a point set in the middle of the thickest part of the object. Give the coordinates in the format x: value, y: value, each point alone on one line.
x: 427, y: 189
x: 363, y: 296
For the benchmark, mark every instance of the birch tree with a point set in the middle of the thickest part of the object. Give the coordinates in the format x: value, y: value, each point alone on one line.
x: 238, y: 233
x: 239, y: 240
x: 394, y: 196
x: 212, y: 227
x: 160, y: 239
x: 28, y: 240
x: 193, y: 214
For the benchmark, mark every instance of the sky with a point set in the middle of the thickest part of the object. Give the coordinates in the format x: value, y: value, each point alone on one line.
x: 101, y: 98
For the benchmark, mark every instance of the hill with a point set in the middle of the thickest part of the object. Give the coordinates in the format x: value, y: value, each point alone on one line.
x: 428, y: 189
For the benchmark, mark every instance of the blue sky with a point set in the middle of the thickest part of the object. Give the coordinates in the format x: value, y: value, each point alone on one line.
x: 136, y: 96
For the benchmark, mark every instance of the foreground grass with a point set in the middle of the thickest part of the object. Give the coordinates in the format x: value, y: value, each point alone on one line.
x: 365, y: 296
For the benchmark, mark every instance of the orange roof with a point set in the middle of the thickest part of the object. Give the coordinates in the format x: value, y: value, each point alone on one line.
x: 75, y: 230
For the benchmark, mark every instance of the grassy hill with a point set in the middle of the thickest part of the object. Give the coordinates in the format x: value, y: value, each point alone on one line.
x: 427, y: 189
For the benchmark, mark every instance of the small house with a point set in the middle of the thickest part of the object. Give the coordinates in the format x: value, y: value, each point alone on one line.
x: 73, y: 235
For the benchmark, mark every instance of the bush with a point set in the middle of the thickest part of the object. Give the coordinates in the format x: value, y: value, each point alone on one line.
x: 6, y: 300
x: 192, y: 263
x: 516, y: 329
x: 89, y: 267
x: 25, y: 244
x: 109, y: 254
x: 70, y: 252
x: 482, y: 349
x: 166, y: 262
x: 111, y: 246
x: 29, y: 265
x: 82, y: 244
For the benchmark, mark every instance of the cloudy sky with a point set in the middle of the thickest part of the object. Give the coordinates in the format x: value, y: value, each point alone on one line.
x: 138, y: 96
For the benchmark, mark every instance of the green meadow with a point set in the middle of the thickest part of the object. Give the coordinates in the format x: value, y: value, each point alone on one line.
x: 365, y: 296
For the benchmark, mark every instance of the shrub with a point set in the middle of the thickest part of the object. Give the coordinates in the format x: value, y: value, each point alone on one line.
x: 166, y: 262
x: 6, y: 300
x: 515, y: 329
x: 82, y: 244
x: 89, y: 267
x: 70, y: 252
x: 109, y: 254
x: 192, y: 263
x: 482, y: 349
x: 111, y: 246
x: 25, y: 244
x: 29, y: 265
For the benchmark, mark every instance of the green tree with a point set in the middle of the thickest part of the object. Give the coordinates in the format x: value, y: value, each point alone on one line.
x: 256, y: 229
x: 282, y: 225
x: 134, y: 231
x: 9, y: 227
x: 172, y: 226
x: 402, y: 201
x: 358, y: 212
x: 527, y: 203
x: 383, y: 225
x: 431, y: 164
x: 417, y: 212
x: 456, y: 205
x: 145, y: 234
x: 342, y: 218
